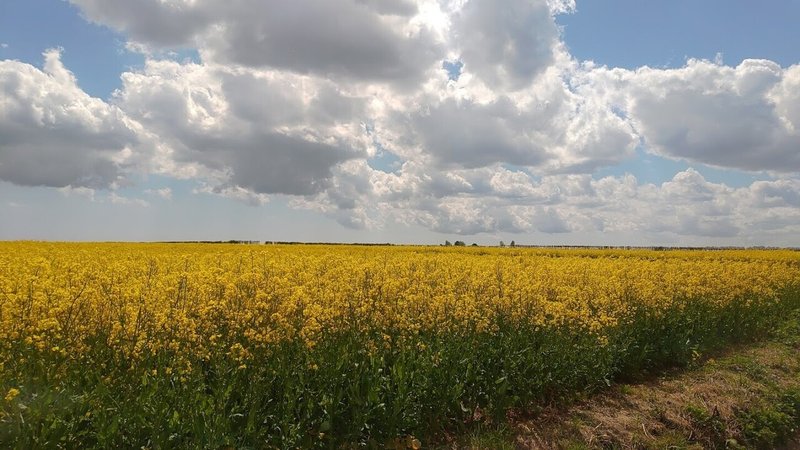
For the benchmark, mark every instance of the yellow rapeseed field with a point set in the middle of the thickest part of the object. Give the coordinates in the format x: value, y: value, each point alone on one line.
x: 280, y: 346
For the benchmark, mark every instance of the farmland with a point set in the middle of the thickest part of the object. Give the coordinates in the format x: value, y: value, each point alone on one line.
x: 280, y: 346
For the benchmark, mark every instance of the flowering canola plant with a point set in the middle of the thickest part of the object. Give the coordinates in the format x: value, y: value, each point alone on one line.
x: 285, y: 345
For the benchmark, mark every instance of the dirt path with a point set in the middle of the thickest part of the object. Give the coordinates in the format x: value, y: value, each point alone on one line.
x: 734, y: 401
x: 748, y: 397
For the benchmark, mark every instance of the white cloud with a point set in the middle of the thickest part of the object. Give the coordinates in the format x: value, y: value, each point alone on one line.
x: 235, y: 193
x: 745, y: 117
x: 497, y: 200
x: 165, y: 193
x: 508, y: 44
x: 552, y: 126
x: 267, y: 132
x: 279, y: 130
x: 366, y: 39
x: 80, y: 191
x: 561, y: 6
x: 53, y: 134
x: 117, y: 199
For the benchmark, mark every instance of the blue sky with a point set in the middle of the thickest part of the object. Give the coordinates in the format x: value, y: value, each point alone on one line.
x: 630, y: 33
x: 401, y: 136
x: 96, y: 54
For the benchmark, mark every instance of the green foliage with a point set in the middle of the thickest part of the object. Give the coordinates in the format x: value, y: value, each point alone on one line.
x: 710, y: 423
x: 346, y: 391
x: 771, y: 425
x: 485, y: 437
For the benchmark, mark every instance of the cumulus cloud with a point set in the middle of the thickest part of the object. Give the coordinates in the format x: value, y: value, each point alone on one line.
x: 117, y: 199
x: 80, y: 191
x: 473, y: 135
x: 53, y: 134
x: 252, y: 123
x: 268, y: 132
x: 163, y: 23
x: 234, y: 193
x: 513, y: 201
x: 365, y: 39
x: 553, y: 126
x: 779, y: 193
x: 505, y: 45
x: 745, y: 117
x: 165, y: 193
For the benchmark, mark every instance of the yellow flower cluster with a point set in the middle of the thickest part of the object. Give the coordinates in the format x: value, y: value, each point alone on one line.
x: 12, y: 394
x: 199, y: 300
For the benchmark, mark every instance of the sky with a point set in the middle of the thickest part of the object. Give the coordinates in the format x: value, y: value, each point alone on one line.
x: 550, y: 122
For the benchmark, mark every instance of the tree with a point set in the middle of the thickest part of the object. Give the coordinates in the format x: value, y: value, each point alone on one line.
x: 502, y: 244
x: 459, y: 244
x: 447, y: 243
x: 513, y: 244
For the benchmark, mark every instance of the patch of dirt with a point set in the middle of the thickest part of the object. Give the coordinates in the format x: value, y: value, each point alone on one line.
x: 692, y: 409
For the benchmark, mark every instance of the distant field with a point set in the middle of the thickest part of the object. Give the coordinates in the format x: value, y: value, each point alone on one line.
x: 279, y: 346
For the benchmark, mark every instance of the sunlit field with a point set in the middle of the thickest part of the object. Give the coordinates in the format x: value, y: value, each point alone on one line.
x: 281, y: 346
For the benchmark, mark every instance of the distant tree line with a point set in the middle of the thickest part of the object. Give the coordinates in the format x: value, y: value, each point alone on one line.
x: 464, y: 244
x: 231, y: 241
